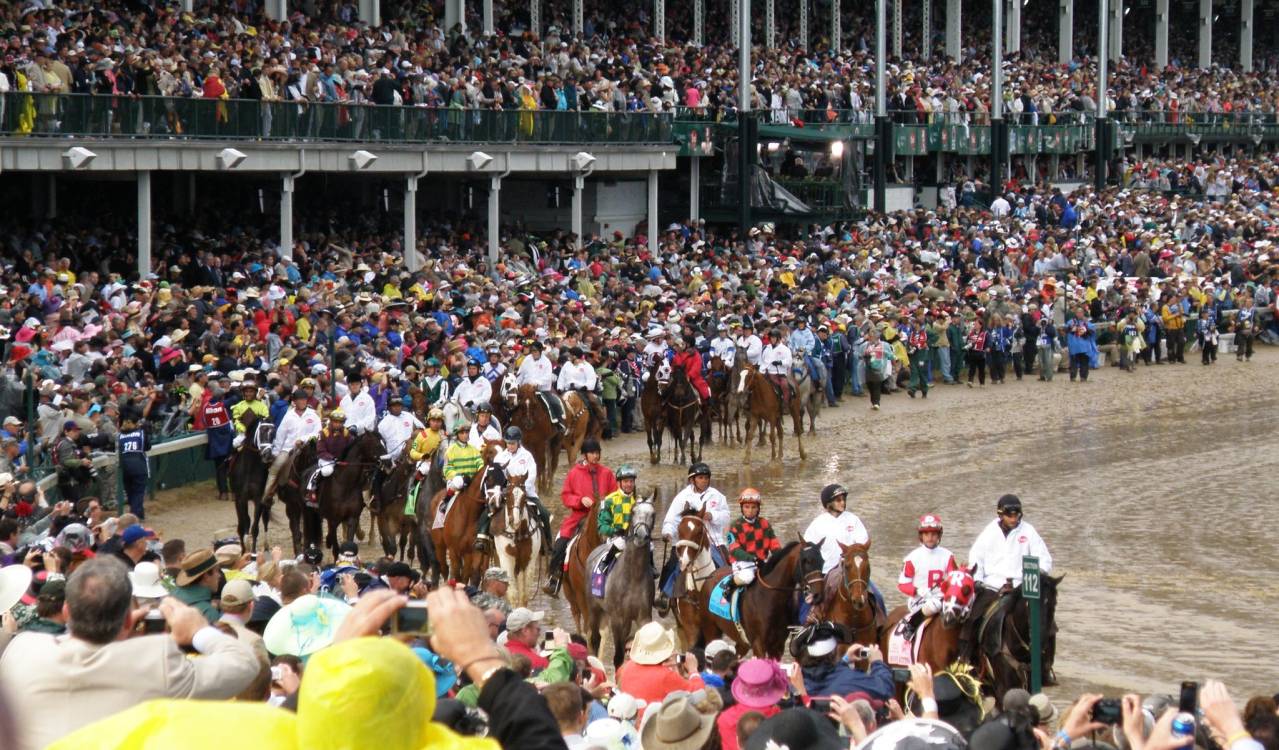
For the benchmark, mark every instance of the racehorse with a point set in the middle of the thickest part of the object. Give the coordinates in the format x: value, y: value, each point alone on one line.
x: 432, y: 483
x: 540, y: 435
x: 629, y: 590
x: 1003, y: 640
x: 395, y: 528
x: 517, y: 538
x: 577, y: 575
x: 580, y: 422
x: 683, y: 414
x: 724, y: 403
x: 456, y: 539
x: 939, y: 641
x: 420, y: 405
x: 770, y: 603
x: 764, y: 406
x: 341, y: 496
x: 696, y: 566
x: 651, y: 407
x: 248, y: 480
x: 808, y: 394
x: 499, y: 404
x: 454, y: 412
x: 851, y: 604
x: 304, y: 521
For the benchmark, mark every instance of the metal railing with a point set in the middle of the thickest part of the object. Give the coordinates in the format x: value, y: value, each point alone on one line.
x: 172, y: 118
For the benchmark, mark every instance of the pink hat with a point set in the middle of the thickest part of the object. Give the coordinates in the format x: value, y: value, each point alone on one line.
x: 760, y: 683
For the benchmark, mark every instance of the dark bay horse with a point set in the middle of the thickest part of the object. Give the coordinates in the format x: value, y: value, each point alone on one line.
x: 629, y: 590
x: 341, y: 496
x: 724, y: 402
x: 851, y: 604
x: 398, y: 531
x: 248, y: 481
x: 771, y: 602
x: 541, y: 437
x: 517, y: 538
x: 1004, y: 641
x: 765, y: 408
x: 304, y: 521
x: 454, y: 543
x: 683, y: 414
x: 651, y: 407
x: 939, y: 641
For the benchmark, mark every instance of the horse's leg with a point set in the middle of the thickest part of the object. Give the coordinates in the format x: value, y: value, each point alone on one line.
x: 750, y: 423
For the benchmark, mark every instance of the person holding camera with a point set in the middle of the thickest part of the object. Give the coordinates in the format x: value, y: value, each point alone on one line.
x: 827, y: 672
x: 75, y: 469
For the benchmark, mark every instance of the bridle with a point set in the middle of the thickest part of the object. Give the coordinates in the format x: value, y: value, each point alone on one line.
x: 856, y: 590
x: 804, y: 582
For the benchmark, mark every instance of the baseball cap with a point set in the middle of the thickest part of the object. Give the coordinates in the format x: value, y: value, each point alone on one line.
x: 134, y: 533
x: 237, y: 593
x: 717, y: 647
x: 522, y: 617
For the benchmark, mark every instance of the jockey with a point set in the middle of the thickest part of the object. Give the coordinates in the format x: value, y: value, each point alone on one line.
x: 656, y: 347
x: 335, y: 438
x: 435, y: 386
x: 535, y: 369
x: 751, y: 538
x: 361, y: 412
x: 723, y: 346
x: 776, y: 362
x: 300, y: 424
x: 425, y: 443
x: 516, y: 460
x: 493, y: 368
x: 922, y: 574
x: 698, y: 496
x: 576, y: 374
x: 486, y: 429
x: 835, y: 526
x: 996, y: 559
x: 750, y: 344
x: 614, y: 518
x: 462, y: 461
x: 249, y: 402
x: 588, y: 482
x: 397, y: 427
x: 690, y: 360
x: 474, y: 389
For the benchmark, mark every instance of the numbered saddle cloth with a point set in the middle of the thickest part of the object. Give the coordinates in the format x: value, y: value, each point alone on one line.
x: 724, y: 603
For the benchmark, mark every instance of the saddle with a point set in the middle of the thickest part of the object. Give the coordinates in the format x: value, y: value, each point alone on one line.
x: 903, y: 652
x: 725, y: 599
x: 554, y: 407
x: 992, y: 623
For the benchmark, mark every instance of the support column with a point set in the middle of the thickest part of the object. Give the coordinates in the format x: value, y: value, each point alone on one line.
x: 699, y: 22
x: 286, y: 217
x: 803, y: 25
x: 998, y: 137
x: 1012, y: 41
x: 488, y: 17
x: 144, y: 224
x: 370, y: 12
x: 953, y: 41
x: 579, y: 16
x: 495, y: 208
x: 1101, y: 150
x: 883, y: 128
x: 188, y: 6
x: 694, y: 190
x: 1066, y: 30
x: 735, y: 10
x: 1116, y: 43
x: 410, y: 224
x: 652, y: 211
x: 770, y: 24
x: 836, y: 33
x: 897, y: 29
x: 926, y: 33
x: 454, y: 14
x: 659, y: 19
x: 747, y: 123
x: 579, y: 187
x: 1245, y: 35
x: 276, y: 10
x: 535, y: 17
x: 51, y: 203
x: 1205, y: 33
x: 191, y: 193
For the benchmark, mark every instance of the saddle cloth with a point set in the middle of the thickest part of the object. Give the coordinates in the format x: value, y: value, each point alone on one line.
x: 903, y: 653
x: 599, y: 574
x: 723, y: 605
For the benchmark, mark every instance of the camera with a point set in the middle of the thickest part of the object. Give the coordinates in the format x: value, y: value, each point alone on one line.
x: 412, y: 618
x: 901, y: 676
x: 153, y: 622
x: 1107, y: 711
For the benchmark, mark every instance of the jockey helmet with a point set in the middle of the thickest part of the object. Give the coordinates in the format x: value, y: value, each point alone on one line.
x: 338, y: 415
x: 435, y: 413
x: 432, y: 362
x: 699, y: 469
x: 473, y: 362
x: 462, y: 426
x: 407, y: 400
x: 483, y: 408
x: 249, y: 385
x: 514, y: 434
x: 590, y: 445
x: 626, y: 471
x: 1009, y: 503
x: 749, y: 495
x: 394, y: 402
x: 300, y: 395
x: 308, y: 383
x: 831, y: 492
x: 929, y: 522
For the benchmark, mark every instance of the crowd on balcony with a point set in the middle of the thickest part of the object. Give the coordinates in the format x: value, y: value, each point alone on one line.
x: 231, y: 51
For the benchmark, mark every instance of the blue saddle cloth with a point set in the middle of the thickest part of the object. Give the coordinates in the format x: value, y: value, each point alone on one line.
x: 724, y: 606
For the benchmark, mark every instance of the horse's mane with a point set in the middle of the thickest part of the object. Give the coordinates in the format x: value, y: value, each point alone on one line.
x: 767, y: 566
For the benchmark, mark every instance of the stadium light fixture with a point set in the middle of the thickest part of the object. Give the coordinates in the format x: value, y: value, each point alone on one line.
x: 581, y: 160
x: 837, y: 149
x: 479, y: 160
x: 78, y: 157
x: 362, y: 159
x: 229, y: 158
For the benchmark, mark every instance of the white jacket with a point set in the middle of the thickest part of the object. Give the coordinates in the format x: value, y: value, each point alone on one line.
x: 712, y: 501
x: 574, y: 375
x: 361, y: 412
x: 998, y: 555
x: 397, y: 431
x: 517, y: 463
x: 753, y: 347
x: 536, y: 372
x: 776, y: 359
x: 491, y: 433
x: 295, y: 427
x: 472, y: 393
x: 830, y: 531
x: 724, y: 348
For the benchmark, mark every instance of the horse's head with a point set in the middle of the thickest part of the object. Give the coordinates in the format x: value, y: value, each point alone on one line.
x: 508, y: 391
x: 491, y: 449
x: 643, y: 516
x: 744, y: 378
x: 663, y: 371
x: 692, y: 539
x: 855, y: 559
x: 808, y: 573
x: 957, y: 592
x: 512, y: 499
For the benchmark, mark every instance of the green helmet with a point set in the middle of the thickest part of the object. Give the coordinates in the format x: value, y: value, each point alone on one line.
x: 626, y: 471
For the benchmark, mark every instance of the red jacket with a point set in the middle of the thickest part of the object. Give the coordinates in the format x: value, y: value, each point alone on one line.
x: 538, y: 661
x: 583, y: 482
x: 690, y: 360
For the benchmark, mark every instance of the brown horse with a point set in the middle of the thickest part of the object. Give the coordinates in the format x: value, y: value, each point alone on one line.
x: 341, y: 496
x: 396, y: 529
x: 420, y: 406
x: 771, y: 602
x: 851, y: 604
x: 651, y: 407
x: 724, y: 402
x: 498, y: 403
x: 517, y: 538
x: 540, y: 435
x: 765, y: 407
x: 304, y: 521
x: 683, y: 413
x: 939, y: 639
x: 696, y: 565
x: 455, y: 542
x: 580, y: 422
x: 576, y: 582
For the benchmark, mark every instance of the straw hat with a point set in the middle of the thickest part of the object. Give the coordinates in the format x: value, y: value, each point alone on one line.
x: 654, y: 644
x: 195, y: 565
x: 677, y: 725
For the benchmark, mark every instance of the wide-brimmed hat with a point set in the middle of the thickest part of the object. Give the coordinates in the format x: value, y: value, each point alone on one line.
x: 445, y: 674
x: 304, y: 626
x: 653, y: 644
x: 796, y: 728
x: 760, y: 683
x: 677, y: 725
x: 195, y: 565
x: 914, y: 734
x: 145, y: 578
x: 14, y: 582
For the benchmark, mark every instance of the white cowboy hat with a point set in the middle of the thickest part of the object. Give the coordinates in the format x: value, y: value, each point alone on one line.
x: 145, y: 578
x: 654, y: 644
x: 14, y: 582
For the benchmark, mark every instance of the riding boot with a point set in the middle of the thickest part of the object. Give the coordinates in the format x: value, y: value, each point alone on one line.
x: 483, y: 541
x: 555, y: 571
x: 544, y: 518
x: 910, y: 625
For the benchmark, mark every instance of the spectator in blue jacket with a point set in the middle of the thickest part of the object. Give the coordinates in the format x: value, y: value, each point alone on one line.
x: 828, y: 670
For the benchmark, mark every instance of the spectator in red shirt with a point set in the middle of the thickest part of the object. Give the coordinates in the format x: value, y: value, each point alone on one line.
x: 523, y: 629
x: 650, y: 673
